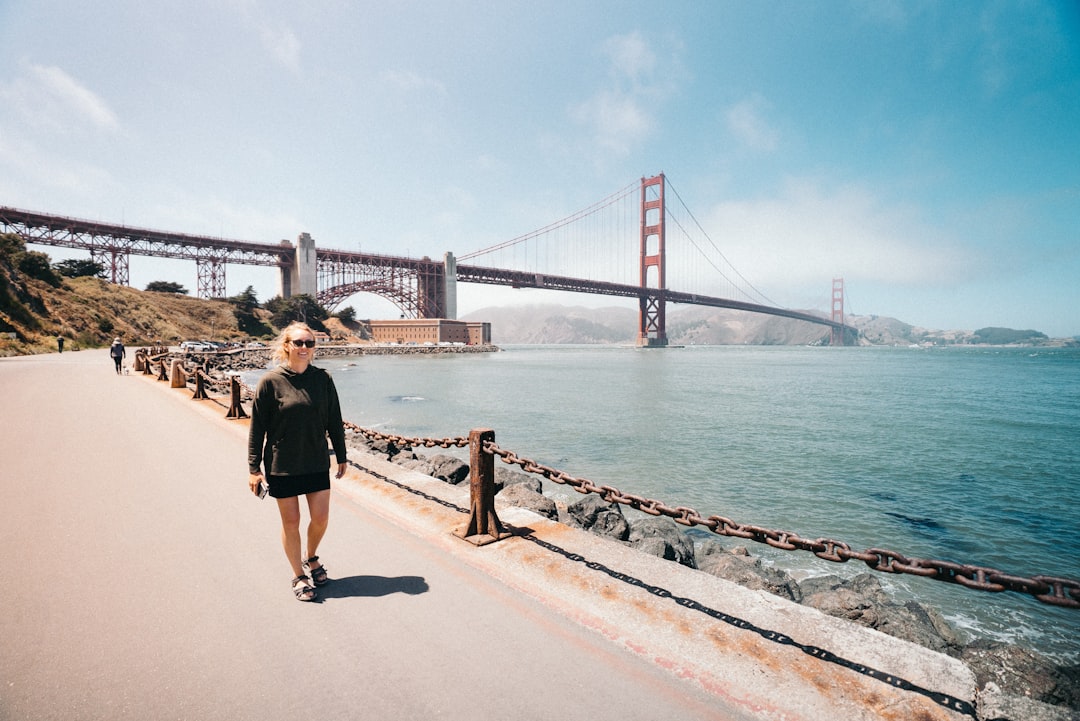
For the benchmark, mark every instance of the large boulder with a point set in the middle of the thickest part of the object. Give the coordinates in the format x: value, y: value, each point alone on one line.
x: 379, y: 447
x: 661, y: 537
x: 441, y: 466
x: 506, y: 476
x: 739, y: 567
x: 1019, y: 672
x: 863, y: 600
x: 519, y: 494
x: 593, y: 514
x: 449, y: 468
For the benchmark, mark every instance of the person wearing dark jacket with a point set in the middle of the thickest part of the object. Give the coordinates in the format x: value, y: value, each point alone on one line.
x: 117, y: 353
x: 296, y: 407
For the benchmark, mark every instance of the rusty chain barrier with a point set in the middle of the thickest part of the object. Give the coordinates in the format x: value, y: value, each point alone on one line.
x: 1051, y: 590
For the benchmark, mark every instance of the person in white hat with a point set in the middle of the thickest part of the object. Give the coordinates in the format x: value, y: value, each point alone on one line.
x: 117, y: 353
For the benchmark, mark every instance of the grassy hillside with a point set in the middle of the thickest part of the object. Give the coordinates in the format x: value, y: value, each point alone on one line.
x: 90, y: 312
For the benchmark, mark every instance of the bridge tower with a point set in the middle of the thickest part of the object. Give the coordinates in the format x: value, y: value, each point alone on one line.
x: 837, y: 336
x: 651, y: 323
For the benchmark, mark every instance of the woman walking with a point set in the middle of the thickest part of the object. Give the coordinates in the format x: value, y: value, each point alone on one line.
x: 296, y: 406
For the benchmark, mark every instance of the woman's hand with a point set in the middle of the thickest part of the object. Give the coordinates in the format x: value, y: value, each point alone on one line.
x: 254, y: 479
x: 341, y: 470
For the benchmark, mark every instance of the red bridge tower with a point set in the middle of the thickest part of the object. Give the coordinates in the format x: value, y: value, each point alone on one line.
x: 651, y: 330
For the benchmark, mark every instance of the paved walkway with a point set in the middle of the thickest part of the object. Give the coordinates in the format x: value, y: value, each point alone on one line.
x: 142, y: 580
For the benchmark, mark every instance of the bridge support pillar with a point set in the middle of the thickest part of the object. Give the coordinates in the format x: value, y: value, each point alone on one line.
x: 450, y: 286
x: 303, y: 275
x: 651, y: 318
x: 211, y: 277
x: 115, y: 262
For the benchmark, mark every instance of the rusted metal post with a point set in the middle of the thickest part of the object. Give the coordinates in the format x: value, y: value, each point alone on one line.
x: 236, y: 408
x: 179, y: 378
x: 484, y: 526
x: 200, y: 386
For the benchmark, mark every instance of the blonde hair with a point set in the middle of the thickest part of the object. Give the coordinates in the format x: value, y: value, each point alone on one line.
x: 280, y: 352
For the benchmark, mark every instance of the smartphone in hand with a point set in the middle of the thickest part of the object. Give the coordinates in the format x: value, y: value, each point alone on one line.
x: 263, y: 489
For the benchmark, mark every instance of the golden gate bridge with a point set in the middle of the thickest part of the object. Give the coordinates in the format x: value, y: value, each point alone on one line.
x: 641, y: 242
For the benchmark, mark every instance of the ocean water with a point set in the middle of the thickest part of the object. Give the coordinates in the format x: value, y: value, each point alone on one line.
x: 970, y: 455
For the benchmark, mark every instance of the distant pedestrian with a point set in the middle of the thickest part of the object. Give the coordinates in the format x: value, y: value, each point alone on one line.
x: 117, y: 353
x: 296, y: 406
x: 60, y: 343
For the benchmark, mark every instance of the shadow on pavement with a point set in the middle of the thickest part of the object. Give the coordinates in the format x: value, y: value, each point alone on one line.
x: 372, y: 586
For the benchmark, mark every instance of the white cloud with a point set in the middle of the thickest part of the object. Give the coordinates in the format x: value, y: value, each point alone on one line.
x: 41, y: 175
x: 618, y: 115
x: 618, y: 121
x: 50, y: 99
x: 810, y: 234
x: 282, y: 44
x: 276, y: 37
x: 631, y: 58
x: 745, y: 122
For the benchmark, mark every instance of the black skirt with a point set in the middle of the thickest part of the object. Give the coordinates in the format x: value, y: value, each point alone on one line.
x: 290, y: 486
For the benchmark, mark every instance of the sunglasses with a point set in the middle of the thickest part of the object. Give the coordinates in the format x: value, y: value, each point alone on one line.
x: 302, y: 343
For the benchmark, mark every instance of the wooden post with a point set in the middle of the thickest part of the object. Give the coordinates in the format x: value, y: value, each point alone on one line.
x: 162, y: 375
x: 484, y: 526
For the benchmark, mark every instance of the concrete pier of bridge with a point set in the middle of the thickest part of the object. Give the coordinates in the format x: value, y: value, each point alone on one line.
x: 143, y: 580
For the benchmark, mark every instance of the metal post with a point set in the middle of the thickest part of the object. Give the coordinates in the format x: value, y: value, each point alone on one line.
x: 484, y: 526
x: 179, y: 378
x: 200, y: 386
x: 236, y: 408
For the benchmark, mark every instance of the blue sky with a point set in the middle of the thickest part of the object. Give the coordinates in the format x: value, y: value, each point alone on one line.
x: 928, y: 152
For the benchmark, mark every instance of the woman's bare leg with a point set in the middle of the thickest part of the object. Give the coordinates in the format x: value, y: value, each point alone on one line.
x: 289, y: 508
x: 319, y: 509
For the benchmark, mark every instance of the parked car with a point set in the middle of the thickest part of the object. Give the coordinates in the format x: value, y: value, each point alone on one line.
x: 195, y: 346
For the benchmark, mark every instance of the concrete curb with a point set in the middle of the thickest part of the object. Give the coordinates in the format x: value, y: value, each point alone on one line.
x: 774, y: 658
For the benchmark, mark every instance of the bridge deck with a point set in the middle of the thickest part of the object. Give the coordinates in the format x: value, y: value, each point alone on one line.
x: 144, y: 581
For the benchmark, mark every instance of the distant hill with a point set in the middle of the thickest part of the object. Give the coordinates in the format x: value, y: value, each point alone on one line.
x: 699, y: 325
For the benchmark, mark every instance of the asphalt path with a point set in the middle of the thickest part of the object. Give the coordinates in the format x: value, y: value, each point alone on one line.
x: 142, y: 580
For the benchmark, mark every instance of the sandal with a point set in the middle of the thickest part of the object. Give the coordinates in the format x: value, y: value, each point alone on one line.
x: 301, y: 586
x: 318, y: 575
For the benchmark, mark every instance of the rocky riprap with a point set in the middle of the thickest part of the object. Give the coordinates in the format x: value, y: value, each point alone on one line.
x: 1020, y: 684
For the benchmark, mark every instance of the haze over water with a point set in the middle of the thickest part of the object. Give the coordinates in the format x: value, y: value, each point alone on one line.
x: 969, y: 455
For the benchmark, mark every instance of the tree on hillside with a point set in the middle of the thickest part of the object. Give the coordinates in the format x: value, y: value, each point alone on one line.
x: 11, y: 245
x: 76, y: 268
x: 346, y: 315
x: 301, y: 307
x: 244, y: 306
x: 38, y: 265
x: 165, y: 286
